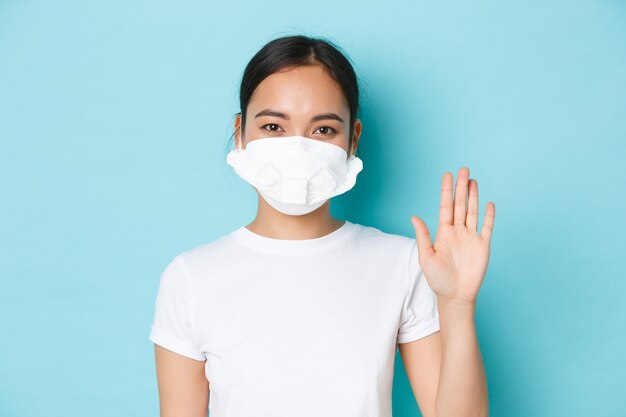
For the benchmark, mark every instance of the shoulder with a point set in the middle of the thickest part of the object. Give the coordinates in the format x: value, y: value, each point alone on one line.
x: 373, y: 236
x: 220, y: 250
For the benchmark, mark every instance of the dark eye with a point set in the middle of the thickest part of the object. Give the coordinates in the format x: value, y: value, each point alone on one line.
x: 270, y: 124
x: 327, y: 128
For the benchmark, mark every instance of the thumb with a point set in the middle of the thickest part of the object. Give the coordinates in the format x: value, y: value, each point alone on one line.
x: 422, y: 236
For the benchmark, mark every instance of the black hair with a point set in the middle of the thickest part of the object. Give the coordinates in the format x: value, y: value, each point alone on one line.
x: 295, y: 51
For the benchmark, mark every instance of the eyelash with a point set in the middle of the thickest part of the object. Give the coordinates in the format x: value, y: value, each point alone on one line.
x: 333, y: 130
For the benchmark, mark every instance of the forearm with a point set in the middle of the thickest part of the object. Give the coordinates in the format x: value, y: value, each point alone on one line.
x: 462, y: 388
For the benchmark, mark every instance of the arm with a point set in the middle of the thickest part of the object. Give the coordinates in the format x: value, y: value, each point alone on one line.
x: 445, y: 369
x: 183, y: 387
x: 462, y: 389
x: 180, y: 363
x: 454, y: 267
x: 422, y: 362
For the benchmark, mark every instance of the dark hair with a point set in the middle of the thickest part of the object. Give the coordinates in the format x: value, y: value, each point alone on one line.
x: 300, y: 50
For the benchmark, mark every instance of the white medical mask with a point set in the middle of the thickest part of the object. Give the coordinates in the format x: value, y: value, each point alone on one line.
x: 295, y: 174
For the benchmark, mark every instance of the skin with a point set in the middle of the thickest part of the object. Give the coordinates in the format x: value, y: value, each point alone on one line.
x: 444, y: 369
x: 300, y: 93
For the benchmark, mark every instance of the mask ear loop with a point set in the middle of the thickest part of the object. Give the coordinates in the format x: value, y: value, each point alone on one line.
x: 240, y: 138
x: 350, y: 155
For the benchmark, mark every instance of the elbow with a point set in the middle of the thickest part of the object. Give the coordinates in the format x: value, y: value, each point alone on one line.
x: 478, y: 412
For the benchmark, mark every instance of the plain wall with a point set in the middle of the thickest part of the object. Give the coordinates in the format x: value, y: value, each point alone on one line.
x: 116, y: 118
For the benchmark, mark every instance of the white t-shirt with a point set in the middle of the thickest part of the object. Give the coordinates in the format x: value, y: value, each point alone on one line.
x: 296, y: 327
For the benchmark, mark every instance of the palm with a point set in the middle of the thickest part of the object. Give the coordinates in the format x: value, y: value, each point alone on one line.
x: 455, y: 265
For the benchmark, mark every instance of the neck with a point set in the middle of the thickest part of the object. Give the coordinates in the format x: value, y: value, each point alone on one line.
x: 272, y: 223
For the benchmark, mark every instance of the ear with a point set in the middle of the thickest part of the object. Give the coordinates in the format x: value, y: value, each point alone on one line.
x: 238, y: 142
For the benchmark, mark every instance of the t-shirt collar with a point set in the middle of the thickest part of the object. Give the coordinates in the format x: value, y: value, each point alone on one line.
x: 294, y: 246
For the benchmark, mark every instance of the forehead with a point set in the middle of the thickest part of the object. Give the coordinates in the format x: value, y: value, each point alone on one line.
x: 300, y: 90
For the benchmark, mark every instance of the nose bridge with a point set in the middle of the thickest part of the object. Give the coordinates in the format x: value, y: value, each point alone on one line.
x: 300, y: 125
x: 299, y: 130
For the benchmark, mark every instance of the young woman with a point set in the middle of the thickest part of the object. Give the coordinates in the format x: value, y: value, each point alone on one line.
x: 298, y: 313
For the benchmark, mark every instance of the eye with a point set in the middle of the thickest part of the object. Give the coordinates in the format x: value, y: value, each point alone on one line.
x: 270, y: 124
x: 332, y: 130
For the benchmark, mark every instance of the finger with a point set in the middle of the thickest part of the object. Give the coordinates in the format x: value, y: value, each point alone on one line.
x: 490, y: 215
x: 472, y: 206
x: 422, y: 236
x: 460, y: 194
x: 445, y: 202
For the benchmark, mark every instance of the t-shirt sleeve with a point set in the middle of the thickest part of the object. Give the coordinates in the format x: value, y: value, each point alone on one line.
x: 420, y: 316
x: 171, y: 326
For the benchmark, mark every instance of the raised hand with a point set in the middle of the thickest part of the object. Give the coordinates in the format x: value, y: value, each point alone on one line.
x: 455, y: 265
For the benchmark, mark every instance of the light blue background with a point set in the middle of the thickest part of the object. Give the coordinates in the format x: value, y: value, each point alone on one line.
x: 116, y: 118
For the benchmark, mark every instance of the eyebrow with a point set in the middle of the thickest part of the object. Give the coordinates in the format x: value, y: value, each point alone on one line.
x: 324, y: 116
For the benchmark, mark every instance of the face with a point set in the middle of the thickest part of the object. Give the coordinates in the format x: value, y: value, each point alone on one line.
x: 303, y: 101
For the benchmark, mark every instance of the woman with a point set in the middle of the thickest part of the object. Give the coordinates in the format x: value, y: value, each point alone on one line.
x: 298, y: 313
